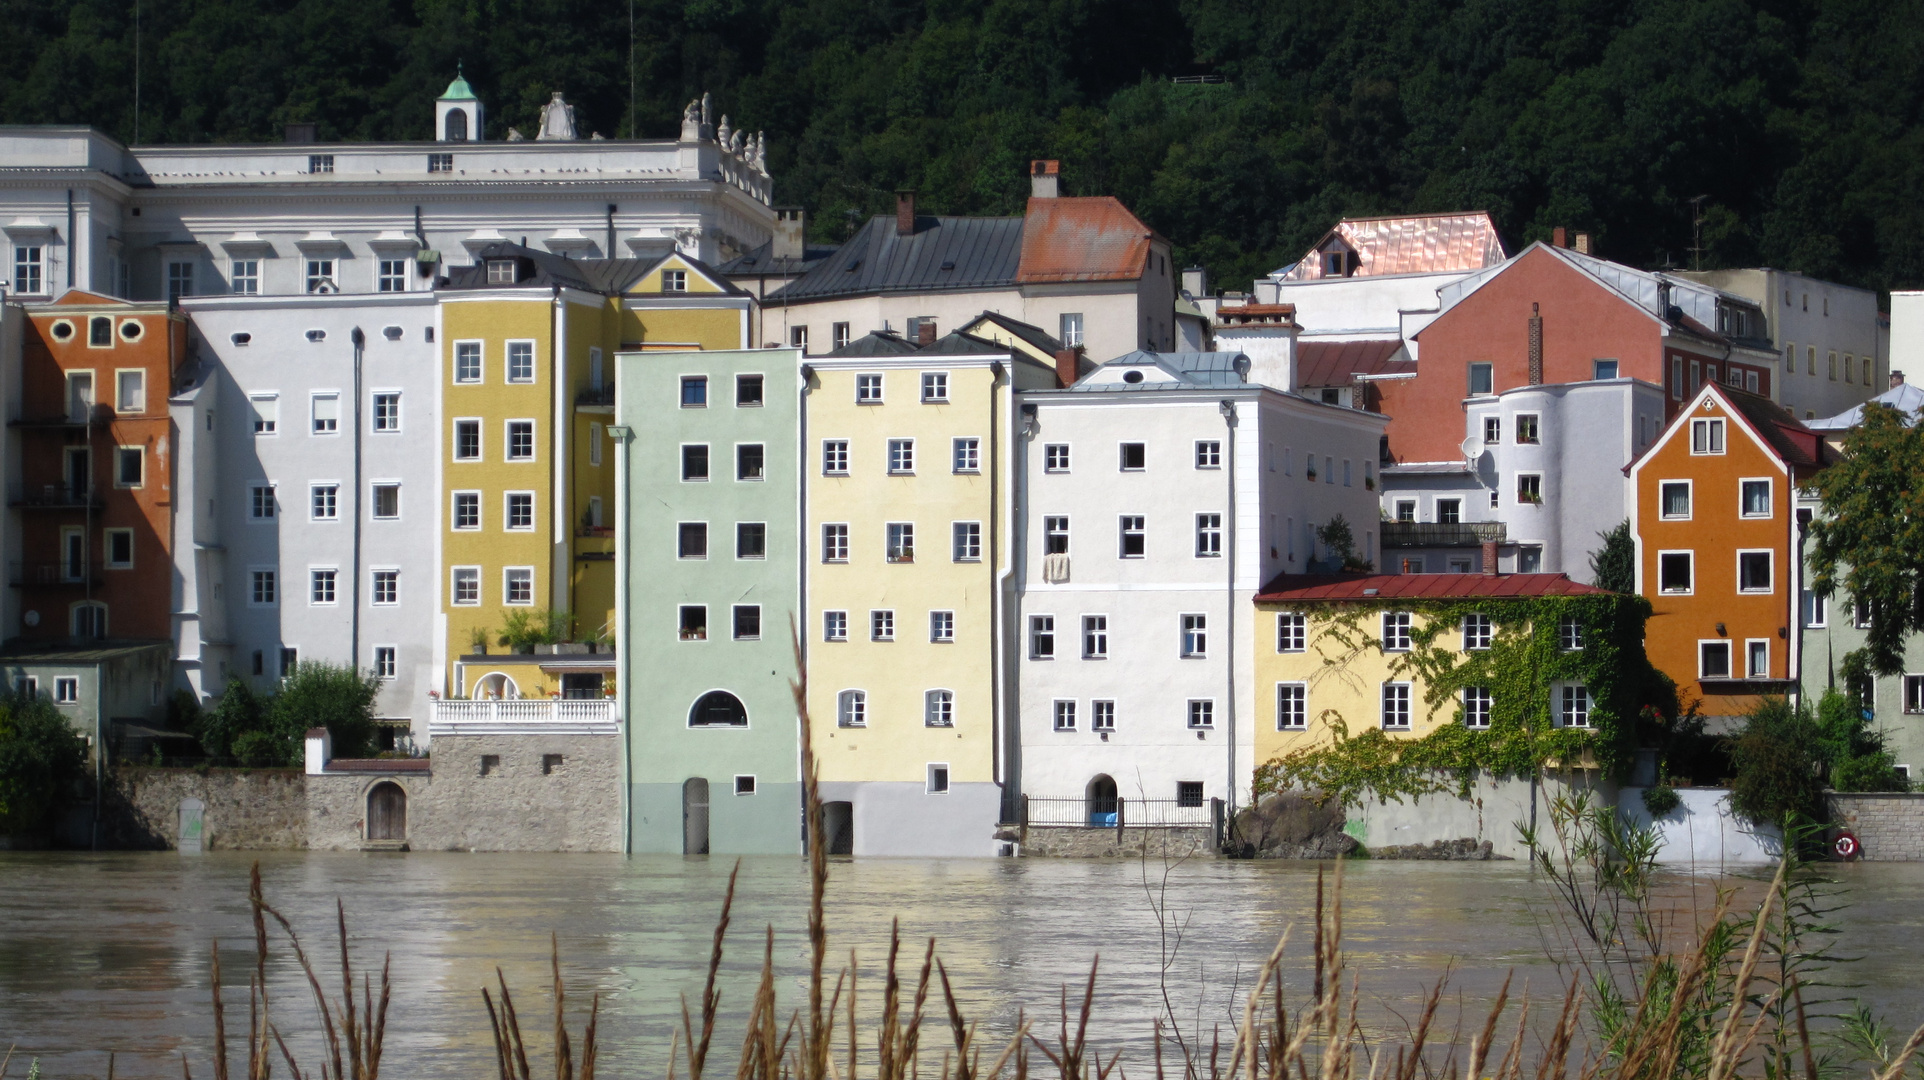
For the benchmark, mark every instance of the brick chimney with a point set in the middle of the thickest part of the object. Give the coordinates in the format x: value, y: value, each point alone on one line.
x: 1067, y: 364
x: 790, y: 233
x: 1897, y: 378
x: 1536, y: 346
x: 1583, y: 243
x: 924, y: 332
x: 1489, y: 558
x: 1043, y: 179
x: 905, y: 212
x: 1559, y: 237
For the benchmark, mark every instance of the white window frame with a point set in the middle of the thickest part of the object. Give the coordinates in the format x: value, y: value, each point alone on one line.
x: 1397, y: 627
x: 1478, y: 635
x: 1574, y: 705
x: 938, y: 708
x: 834, y: 625
x: 965, y: 541
x: 1209, y: 536
x: 1770, y: 555
x: 1716, y: 440
x: 881, y: 624
x: 390, y: 275
x: 1042, y: 628
x: 834, y: 457
x: 1469, y: 698
x: 314, y: 582
x: 1690, y: 500
x: 869, y: 388
x: 1730, y: 660
x: 508, y: 574
x: 1689, y: 554
x: 314, y: 417
x: 901, y: 457
x: 1292, y: 706
x: 480, y: 358
x: 1194, y: 641
x: 1055, y: 457
x: 120, y: 451
x: 1398, y: 692
x: 935, y: 388
x: 376, y: 420
x: 1200, y: 714
x: 1750, y: 669
x: 534, y: 442
x: 507, y: 511
x: 1770, y: 498
x: 374, y: 489
x: 966, y: 454
x: 456, y: 575
x: 66, y: 689
x: 1292, y: 632
x: 1102, y: 716
x: 508, y: 349
x: 1123, y: 532
x: 851, y: 709
x: 386, y: 662
x: 1062, y: 714
x: 942, y: 627
x: 122, y: 406
x: 1209, y: 454
x: 374, y: 574
x: 938, y: 782
x: 834, y: 541
x: 1095, y: 637
x: 454, y: 511
x: 315, y: 488
x: 898, y: 542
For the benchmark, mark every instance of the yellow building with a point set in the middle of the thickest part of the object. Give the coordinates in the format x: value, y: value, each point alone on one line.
x: 527, y: 347
x: 1409, y: 654
x: 908, y: 509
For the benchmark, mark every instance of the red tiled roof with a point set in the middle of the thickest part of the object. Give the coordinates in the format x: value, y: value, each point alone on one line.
x: 1420, y: 586
x: 1082, y: 239
x: 1333, y: 363
x: 1787, y: 435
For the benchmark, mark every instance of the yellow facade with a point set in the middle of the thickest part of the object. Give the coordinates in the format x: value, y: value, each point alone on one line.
x: 896, y: 677
x: 1341, y: 669
x: 564, y: 546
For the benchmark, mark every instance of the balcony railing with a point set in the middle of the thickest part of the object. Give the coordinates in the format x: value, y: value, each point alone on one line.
x: 530, y: 716
x: 54, y: 574
x: 596, y: 395
x: 1426, y: 534
x: 52, y: 496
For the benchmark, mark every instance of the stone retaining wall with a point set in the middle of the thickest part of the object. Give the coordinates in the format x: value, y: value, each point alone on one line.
x: 1889, y: 826
x: 1133, y: 843
x: 246, y: 809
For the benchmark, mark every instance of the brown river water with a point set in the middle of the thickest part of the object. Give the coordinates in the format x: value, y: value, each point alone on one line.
x: 111, y: 952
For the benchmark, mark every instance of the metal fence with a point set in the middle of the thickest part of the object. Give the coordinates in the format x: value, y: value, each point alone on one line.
x: 1043, y: 812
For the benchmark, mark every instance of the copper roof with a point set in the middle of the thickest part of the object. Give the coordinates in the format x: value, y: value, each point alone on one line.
x: 1337, y: 363
x: 1424, y: 244
x: 1290, y: 587
x: 1082, y: 239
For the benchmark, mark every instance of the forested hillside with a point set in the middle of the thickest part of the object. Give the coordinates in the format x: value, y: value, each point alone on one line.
x: 1797, y: 122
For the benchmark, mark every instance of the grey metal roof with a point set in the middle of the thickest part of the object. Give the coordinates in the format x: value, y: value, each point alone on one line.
x: 1034, y: 335
x: 943, y: 253
x: 610, y: 277
x: 762, y: 261
x: 957, y: 343
x: 876, y: 343
x: 1181, y: 371
x: 1904, y: 397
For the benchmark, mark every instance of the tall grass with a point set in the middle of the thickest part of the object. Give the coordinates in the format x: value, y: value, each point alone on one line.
x: 1701, y: 1010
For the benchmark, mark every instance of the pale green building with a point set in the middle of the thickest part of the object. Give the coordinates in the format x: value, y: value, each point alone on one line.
x: 709, y: 489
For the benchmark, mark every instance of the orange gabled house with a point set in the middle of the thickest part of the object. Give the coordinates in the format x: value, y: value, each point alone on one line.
x: 1716, y: 539
x: 92, y: 485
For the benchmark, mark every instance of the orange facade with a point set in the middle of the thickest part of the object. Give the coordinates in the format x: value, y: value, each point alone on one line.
x: 1581, y: 321
x: 1713, y: 525
x: 94, y: 494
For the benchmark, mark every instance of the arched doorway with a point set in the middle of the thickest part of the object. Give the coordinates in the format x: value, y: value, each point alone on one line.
x: 718, y: 708
x: 387, y: 812
x: 838, y: 828
x: 495, y: 686
x: 1101, y: 797
x: 456, y: 126
x: 694, y: 816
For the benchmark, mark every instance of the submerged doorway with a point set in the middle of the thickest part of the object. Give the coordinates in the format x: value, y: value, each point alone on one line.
x: 694, y: 816
x: 387, y: 812
x: 838, y: 828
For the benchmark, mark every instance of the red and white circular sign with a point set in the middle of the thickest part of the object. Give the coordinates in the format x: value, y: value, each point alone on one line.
x: 1845, y: 846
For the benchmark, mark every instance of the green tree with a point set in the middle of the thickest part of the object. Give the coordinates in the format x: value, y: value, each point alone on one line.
x: 1341, y: 542
x: 322, y: 695
x: 42, y: 758
x: 1869, y: 541
x: 1777, y: 765
x: 1614, y: 565
x: 237, y: 713
x: 1852, y: 755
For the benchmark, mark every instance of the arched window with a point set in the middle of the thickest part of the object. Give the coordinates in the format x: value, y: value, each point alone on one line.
x: 457, y: 125
x: 939, y: 708
x: 89, y: 620
x: 718, y: 708
x: 851, y: 709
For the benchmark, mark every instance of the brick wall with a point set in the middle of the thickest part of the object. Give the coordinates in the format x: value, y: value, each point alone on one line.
x: 1889, y: 826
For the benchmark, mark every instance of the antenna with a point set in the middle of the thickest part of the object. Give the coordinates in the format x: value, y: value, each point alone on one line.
x: 1697, y: 232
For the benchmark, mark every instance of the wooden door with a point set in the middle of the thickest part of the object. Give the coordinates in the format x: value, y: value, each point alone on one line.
x: 387, y: 812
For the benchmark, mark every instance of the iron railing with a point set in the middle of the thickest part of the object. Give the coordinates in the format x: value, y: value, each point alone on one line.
x: 1429, y: 534
x: 54, y: 496
x: 1058, y: 812
x: 596, y: 395
x: 54, y: 573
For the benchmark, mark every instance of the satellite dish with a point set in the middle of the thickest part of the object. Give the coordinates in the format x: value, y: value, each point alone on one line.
x: 1472, y: 449
x: 31, y: 618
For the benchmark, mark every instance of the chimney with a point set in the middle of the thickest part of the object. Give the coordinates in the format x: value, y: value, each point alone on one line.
x: 1583, y: 243
x: 1897, y: 378
x: 905, y: 212
x: 318, y: 751
x: 790, y: 233
x: 303, y: 132
x: 924, y: 333
x: 1489, y: 558
x: 1195, y: 281
x: 1559, y: 237
x: 1067, y: 363
x: 1536, y: 346
x: 1043, y: 178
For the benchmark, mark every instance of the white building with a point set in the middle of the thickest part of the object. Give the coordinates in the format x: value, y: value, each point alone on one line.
x: 1835, y: 344
x: 1083, y: 269
x: 1542, y: 476
x: 309, y: 497
x: 78, y: 209
x: 1157, y: 495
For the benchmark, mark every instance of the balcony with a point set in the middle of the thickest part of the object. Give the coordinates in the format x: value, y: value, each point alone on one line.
x: 41, y: 575
x: 595, y: 395
x: 52, y: 497
x: 1426, y: 534
x: 529, y: 716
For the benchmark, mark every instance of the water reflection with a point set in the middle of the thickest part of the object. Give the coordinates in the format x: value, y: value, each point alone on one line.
x: 112, y: 952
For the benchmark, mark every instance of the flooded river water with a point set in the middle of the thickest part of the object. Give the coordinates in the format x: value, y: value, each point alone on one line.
x: 110, y: 952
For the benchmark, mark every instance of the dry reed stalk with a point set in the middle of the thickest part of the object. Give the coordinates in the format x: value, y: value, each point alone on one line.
x: 564, y: 1061
x: 1245, y: 1048
x: 1407, y: 1069
x: 964, y: 1033
x: 674, y: 1049
x: 710, y: 997
x: 1896, y: 1069
x: 512, y: 1025
x: 1511, y: 1067
x: 891, y: 1009
x: 220, y: 1022
x: 501, y: 1036
x: 854, y: 973
x: 8, y: 1060
x: 820, y: 1025
x: 1481, y: 1042
x: 589, y: 1048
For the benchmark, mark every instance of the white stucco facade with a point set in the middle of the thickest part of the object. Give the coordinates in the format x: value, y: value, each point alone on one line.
x: 1574, y: 439
x: 293, y: 363
x: 1253, y: 478
x: 1345, y: 309
x: 1835, y: 347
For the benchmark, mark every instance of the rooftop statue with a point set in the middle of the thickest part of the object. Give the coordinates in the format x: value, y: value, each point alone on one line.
x: 557, y: 119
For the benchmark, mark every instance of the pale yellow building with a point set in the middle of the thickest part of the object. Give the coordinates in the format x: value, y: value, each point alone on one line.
x: 907, y: 474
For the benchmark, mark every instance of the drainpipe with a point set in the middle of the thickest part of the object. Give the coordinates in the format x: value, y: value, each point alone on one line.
x: 1794, y: 635
x: 624, y: 690
x: 998, y: 705
x: 354, y: 589
x: 70, y: 243
x: 1229, y: 592
x: 801, y: 560
x: 611, y: 231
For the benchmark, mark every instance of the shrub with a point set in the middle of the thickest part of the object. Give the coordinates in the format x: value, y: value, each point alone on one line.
x: 1777, y: 762
x: 42, y: 759
x: 1660, y: 800
x: 318, y: 694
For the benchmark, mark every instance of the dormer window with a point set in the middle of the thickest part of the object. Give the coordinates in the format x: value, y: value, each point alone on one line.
x: 1339, y: 260
x: 500, y: 271
x: 674, y: 281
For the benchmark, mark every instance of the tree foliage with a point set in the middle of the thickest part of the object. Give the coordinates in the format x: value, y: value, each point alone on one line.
x: 262, y: 730
x: 1614, y: 565
x: 1869, y: 541
x: 1785, y: 757
x: 41, y: 759
x: 1798, y: 124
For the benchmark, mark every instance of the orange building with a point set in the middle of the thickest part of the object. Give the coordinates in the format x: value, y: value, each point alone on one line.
x: 91, y: 488
x: 1716, y: 548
